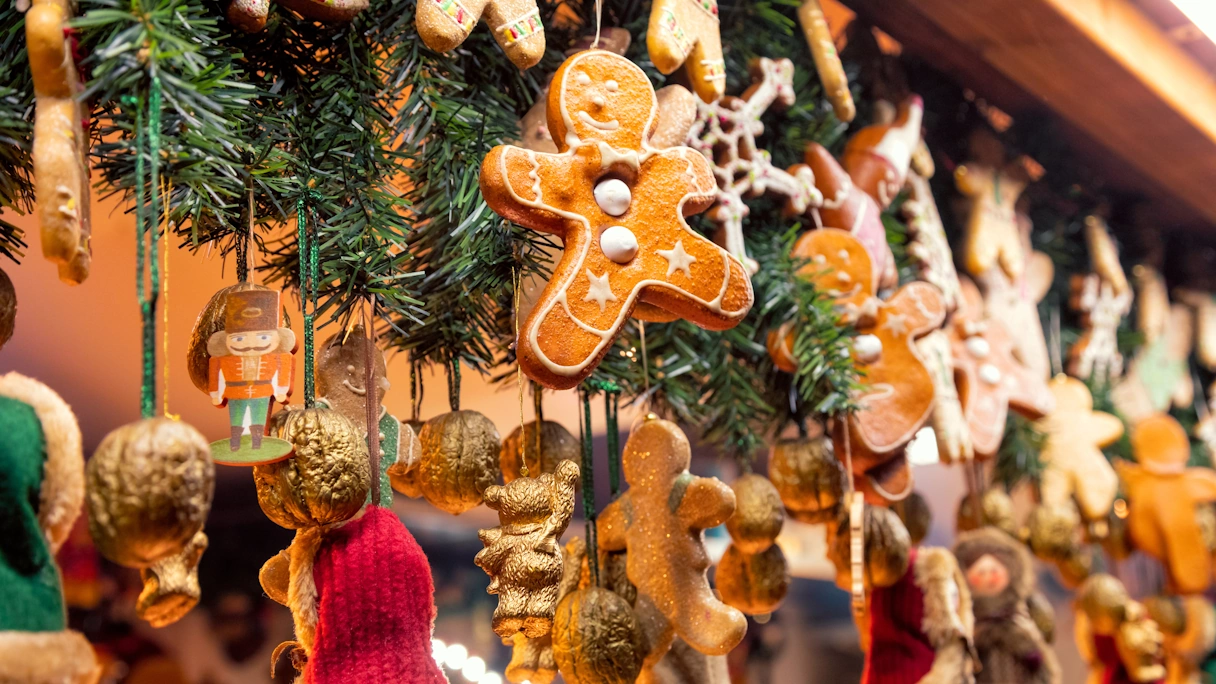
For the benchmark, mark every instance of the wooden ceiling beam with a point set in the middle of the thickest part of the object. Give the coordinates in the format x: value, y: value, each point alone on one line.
x: 1101, y: 65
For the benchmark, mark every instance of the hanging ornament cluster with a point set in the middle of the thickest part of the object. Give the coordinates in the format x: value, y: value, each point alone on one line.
x: 1115, y: 634
x: 753, y: 575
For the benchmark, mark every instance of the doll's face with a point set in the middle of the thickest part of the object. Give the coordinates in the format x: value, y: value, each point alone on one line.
x: 987, y: 576
x: 254, y: 343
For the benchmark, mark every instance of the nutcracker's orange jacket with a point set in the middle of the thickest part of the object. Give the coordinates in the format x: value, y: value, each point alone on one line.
x: 249, y: 377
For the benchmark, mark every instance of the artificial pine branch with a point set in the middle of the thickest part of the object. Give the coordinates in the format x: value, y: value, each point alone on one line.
x: 16, y: 129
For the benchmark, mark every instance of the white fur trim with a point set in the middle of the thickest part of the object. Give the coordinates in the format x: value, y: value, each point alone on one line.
x: 47, y: 658
x: 63, y: 472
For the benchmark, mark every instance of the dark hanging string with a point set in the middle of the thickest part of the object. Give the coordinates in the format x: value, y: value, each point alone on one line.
x: 588, y: 472
x: 454, y: 384
x: 147, y: 219
x: 415, y: 390
x: 306, y: 239
x: 612, y: 406
x: 244, y: 237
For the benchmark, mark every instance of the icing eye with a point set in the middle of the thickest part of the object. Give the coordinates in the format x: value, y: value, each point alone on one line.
x: 613, y: 196
x: 619, y: 244
x: 978, y: 347
x: 350, y: 368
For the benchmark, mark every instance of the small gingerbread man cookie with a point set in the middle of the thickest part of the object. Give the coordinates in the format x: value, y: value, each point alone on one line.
x: 1103, y: 298
x: 685, y: 32
x: 660, y: 522
x: 1163, y: 495
x: 619, y: 206
x: 61, y: 143
x: 1072, y: 452
x: 993, y: 187
x: 989, y: 377
x: 444, y: 24
x: 899, y: 392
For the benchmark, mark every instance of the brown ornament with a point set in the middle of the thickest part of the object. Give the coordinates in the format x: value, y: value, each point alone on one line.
x: 532, y: 659
x: 915, y: 514
x: 327, y: 478
x: 808, y: 478
x: 758, y: 516
x: 555, y: 442
x: 1188, y: 624
x: 150, y: 486
x: 994, y: 509
x: 459, y: 460
x: 521, y: 555
x: 596, y: 639
x: 887, y: 550
x: 8, y: 309
x: 755, y: 583
x: 659, y: 520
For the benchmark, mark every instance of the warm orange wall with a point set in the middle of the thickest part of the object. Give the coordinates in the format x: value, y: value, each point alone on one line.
x: 84, y: 341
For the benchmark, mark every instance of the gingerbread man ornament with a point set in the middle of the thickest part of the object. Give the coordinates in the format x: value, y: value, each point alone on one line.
x: 660, y: 521
x: 1103, y: 298
x: 686, y: 32
x: 989, y: 378
x: 1163, y: 495
x: 1072, y: 453
x: 619, y: 206
x: 444, y: 24
x: 899, y: 395
x: 993, y: 187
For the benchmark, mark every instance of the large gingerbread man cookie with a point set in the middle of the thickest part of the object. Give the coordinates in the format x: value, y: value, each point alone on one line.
x: 899, y: 391
x: 1072, y: 451
x: 685, y: 32
x: 1163, y: 495
x: 660, y: 522
x: 618, y: 205
x: 444, y: 24
x: 61, y: 143
x: 989, y: 378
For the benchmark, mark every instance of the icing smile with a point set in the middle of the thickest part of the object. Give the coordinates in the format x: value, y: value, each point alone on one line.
x: 610, y: 125
x: 360, y: 391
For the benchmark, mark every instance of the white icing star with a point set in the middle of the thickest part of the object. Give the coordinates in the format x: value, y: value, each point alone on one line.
x: 897, y: 324
x: 678, y: 259
x: 599, y: 291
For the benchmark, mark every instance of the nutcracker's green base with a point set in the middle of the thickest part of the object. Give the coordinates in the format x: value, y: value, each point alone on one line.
x: 272, y: 449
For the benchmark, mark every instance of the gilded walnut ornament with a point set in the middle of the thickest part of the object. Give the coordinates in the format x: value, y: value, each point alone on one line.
x: 459, y: 460
x: 808, y: 478
x: 327, y: 478
x: 150, y: 485
x: 555, y: 442
x: 596, y: 639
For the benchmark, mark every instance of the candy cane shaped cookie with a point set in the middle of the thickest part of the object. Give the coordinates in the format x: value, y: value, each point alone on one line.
x: 619, y: 206
x: 61, y: 143
x: 685, y: 32
x: 445, y: 24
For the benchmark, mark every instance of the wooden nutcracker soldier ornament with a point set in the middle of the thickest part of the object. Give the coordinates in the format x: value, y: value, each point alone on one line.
x: 251, y: 365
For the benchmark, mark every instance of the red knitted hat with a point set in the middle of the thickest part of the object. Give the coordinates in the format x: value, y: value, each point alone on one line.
x: 376, y: 607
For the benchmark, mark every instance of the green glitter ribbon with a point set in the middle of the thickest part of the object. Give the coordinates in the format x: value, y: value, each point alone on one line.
x: 306, y: 239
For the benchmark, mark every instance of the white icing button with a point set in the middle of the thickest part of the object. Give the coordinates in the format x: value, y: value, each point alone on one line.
x: 990, y: 374
x: 611, y: 85
x: 583, y: 78
x: 868, y: 348
x: 978, y: 347
x: 619, y: 244
x: 613, y: 196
